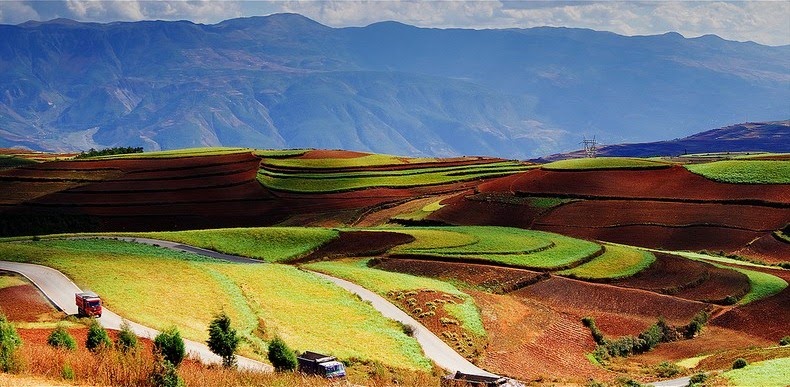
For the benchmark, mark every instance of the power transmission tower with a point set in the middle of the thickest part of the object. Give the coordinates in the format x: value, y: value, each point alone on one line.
x: 590, y: 147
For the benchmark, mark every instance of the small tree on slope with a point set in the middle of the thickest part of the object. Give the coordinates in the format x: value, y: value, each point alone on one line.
x: 223, y: 340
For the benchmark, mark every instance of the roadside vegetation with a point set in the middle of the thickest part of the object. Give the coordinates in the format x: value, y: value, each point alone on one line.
x: 263, y: 300
x: 120, y: 150
x: 605, y: 163
x: 745, y: 171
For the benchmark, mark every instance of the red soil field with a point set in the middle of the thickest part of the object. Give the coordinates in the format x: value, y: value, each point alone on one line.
x: 358, y: 244
x: 721, y: 284
x: 768, y: 248
x: 668, y: 274
x: 474, y: 212
x: 711, y: 339
x: 582, y: 298
x: 662, y: 237
x: 675, y: 183
x: 26, y: 303
x: 493, y: 278
x: 530, y: 341
x: 602, y: 213
x: 442, y: 163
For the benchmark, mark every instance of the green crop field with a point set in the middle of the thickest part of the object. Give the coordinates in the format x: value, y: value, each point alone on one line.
x: 745, y: 171
x: 271, y: 244
x: 345, y: 181
x: 308, y: 312
x: 422, y: 213
x: 616, y: 262
x: 605, y: 163
x: 775, y: 372
x: 510, y: 246
x: 367, y: 160
x: 382, y: 282
x: 279, y: 153
x: 11, y: 161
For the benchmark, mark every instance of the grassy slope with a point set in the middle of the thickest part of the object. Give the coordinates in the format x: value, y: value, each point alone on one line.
x: 745, y: 171
x: 133, y: 279
x: 774, y: 372
x: 605, y: 163
x: 616, y: 262
x: 10, y: 161
x: 271, y: 244
x: 363, y: 161
x: 506, y: 245
x: 382, y: 282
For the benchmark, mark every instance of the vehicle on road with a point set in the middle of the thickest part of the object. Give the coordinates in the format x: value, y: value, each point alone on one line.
x: 88, y: 304
x: 322, y: 365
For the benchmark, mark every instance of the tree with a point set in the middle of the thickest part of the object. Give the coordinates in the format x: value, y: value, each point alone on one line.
x: 281, y: 357
x: 170, y: 345
x: 98, y: 338
x: 222, y: 339
x: 60, y: 338
x: 127, y: 340
x: 9, y: 343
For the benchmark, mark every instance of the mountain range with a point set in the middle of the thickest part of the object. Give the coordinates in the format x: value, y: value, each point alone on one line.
x: 287, y: 81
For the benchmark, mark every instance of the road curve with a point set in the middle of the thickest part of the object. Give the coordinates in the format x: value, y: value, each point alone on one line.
x: 435, y: 349
x: 60, y: 290
x: 680, y: 382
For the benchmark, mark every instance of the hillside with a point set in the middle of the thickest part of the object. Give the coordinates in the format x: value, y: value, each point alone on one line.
x: 287, y: 81
x: 745, y: 137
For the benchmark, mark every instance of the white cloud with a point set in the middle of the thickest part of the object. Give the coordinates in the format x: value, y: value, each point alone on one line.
x: 765, y: 22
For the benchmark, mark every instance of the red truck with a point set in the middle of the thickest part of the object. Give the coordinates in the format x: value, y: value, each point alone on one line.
x: 88, y: 304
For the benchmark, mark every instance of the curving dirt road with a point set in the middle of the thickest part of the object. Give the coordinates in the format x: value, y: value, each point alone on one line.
x: 60, y: 290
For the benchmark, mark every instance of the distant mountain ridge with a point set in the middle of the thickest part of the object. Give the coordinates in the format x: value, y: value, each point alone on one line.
x: 286, y: 81
x: 746, y: 137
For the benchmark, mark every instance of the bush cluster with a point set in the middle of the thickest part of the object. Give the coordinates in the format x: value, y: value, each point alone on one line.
x: 119, y: 150
x: 60, y: 338
x: 9, y: 344
x: 281, y: 356
x: 739, y: 363
x: 98, y: 339
x: 784, y: 341
x: 127, y: 340
x: 170, y: 345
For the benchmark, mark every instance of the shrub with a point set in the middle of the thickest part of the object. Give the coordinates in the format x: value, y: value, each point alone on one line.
x: 784, y: 341
x: 223, y: 340
x: 739, y: 363
x: 67, y: 372
x: 698, y: 378
x: 281, y: 356
x: 170, y: 346
x: 696, y: 324
x: 164, y: 374
x: 667, y: 370
x: 60, y: 338
x: 98, y: 338
x: 9, y: 344
x: 597, y: 335
x: 408, y: 330
x: 127, y: 340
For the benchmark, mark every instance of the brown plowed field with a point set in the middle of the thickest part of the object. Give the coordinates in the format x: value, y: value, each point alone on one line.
x: 358, y: 244
x: 668, y: 274
x: 669, y: 238
x: 689, y: 279
x: 603, y: 213
x: 712, y: 339
x: 441, y: 163
x: 768, y: 248
x: 493, y: 278
x: 675, y: 183
x: 529, y: 341
x: 473, y: 212
x: 26, y: 303
x: 582, y: 298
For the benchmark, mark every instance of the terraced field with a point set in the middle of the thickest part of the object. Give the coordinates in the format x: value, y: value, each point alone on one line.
x: 603, y: 163
x: 745, y: 171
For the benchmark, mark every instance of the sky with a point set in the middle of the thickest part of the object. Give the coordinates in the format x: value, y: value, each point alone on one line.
x: 765, y: 22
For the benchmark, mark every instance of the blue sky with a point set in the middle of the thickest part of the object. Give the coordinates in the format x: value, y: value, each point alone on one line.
x: 766, y: 22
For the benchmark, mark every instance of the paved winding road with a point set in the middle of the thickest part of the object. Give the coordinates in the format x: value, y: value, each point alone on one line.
x: 60, y: 290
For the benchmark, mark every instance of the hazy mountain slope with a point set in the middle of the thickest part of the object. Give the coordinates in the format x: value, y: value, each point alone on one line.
x: 750, y: 136
x: 286, y: 81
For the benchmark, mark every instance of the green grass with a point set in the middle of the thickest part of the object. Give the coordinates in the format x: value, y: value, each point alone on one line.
x: 345, y: 181
x: 271, y: 244
x: 187, y: 152
x: 762, y: 285
x: 382, y: 282
x: 605, y: 163
x: 775, y: 372
x: 10, y: 279
x: 422, y: 213
x: 362, y: 161
x: 10, y: 161
x: 546, y: 202
x: 616, y: 262
x: 279, y: 153
x: 159, y: 288
x: 510, y: 246
x: 745, y: 171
